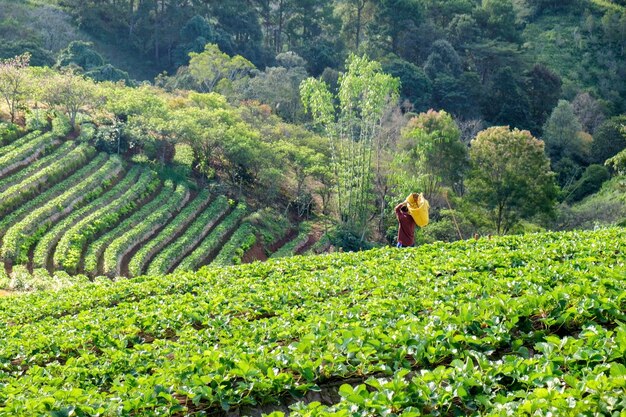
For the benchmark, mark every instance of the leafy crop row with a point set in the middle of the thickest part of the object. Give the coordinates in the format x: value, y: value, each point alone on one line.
x: 175, y: 251
x: 70, y: 247
x: 22, y: 235
x: 79, y: 176
x: 232, y: 252
x: 45, y: 246
x: 212, y: 242
x: 150, y: 220
x: 22, y: 174
x: 522, y: 324
x: 40, y: 279
x: 95, y: 248
x: 25, y: 154
x: 10, y: 147
x: 140, y: 260
x: 290, y: 248
x: 45, y: 177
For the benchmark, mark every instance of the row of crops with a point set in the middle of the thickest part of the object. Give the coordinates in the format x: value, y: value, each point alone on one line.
x: 522, y: 325
x: 66, y: 207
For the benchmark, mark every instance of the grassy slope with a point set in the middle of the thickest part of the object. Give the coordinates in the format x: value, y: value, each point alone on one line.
x: 478, y: 321
x: 606, y: 207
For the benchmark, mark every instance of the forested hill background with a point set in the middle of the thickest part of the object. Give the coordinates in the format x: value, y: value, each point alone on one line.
x: 457, y: 55
x: 229, y: 88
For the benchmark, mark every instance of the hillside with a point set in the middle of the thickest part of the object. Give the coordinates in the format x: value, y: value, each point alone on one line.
x: 66, y: 207
x: 529, y: 325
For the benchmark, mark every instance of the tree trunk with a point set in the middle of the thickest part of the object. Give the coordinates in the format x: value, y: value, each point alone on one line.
x: 359, y: 15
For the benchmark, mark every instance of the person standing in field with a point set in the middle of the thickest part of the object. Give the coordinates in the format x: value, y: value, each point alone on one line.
x: 406, y: 226
x: 410, y: 213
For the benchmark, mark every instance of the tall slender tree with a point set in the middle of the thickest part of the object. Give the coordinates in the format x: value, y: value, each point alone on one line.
x: 352, y: 127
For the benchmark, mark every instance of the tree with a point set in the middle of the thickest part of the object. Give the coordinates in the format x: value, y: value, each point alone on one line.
x: 364, y: 94
x: 414, y: 84
x: 609, y: 139
x: 589, y: 112
x: 70, y: 92
x: 212, y: 66
x: 443, y: 60
x: 498, y: 17
x: 562, y: 134
x: 81, y: 54
x: 355, y: 14
x: 543, y: 88
x: 278, y: 86
x: 14, y: 82
x: 194, y: 35
x: 435, y: 152
x: 510, y: 176
x: 506, y: 102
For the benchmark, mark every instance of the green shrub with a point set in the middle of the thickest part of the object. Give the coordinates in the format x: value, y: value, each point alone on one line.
x: 590, y: 182
x: 61, y: 126
x: 37, y: 120
x: 87, y: 132
x: 5, y: 280
x: 8, y: 133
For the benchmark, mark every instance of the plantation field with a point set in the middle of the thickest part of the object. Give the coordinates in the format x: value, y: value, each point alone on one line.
x: 518, y: 325
x: 66, y: 208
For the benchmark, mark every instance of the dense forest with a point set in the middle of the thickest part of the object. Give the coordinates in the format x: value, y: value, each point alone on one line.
x: 240, y: 92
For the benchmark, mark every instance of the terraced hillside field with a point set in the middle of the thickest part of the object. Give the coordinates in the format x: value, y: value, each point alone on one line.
x: 66, y: 207
x: 519, y: 325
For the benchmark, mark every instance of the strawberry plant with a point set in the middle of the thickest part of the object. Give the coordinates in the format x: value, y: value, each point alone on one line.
x: 522, y: 325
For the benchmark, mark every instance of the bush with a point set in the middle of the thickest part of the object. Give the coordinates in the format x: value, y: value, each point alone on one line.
x: 590, y: 182
x: 61, y: 126
x: 37, y: 120
x: 348, y: 240
x: 87, y: 132
x: 8, y: 133
x: 5, y: 280
x: 445, y: 228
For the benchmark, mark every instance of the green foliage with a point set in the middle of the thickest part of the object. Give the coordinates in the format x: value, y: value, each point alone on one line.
x: 241, y: 240
x: 14, y: 83
x: 290, y: 248
x: 270, y: 224
x: 9, y: 132
x: 506, y: 102
x: 80, y: 54
x: 605, y: 208
x: 618, y: 162
x: 590, y: 182
x: 433, y: 152
x: 215, y: 71
x: 185, y: 243
x: 22, y: 152
x: 364, y: 94
x: 415, y: 86
x: 561, y: 135
x: 45, y: 177
x: 47, y: 208
x: 550, y: 302
x: 69, y: 92
x: 185, y: 217
x: 609, y: 139
x: 147, y: 220
x: 278, y: 86
x: 510, y: 176
x: 69, y: 250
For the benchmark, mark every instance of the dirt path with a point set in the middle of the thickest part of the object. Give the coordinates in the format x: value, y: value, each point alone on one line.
x: 4, y: 293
